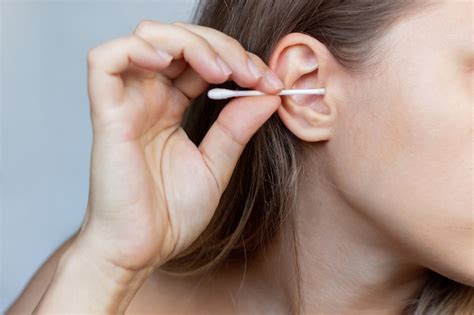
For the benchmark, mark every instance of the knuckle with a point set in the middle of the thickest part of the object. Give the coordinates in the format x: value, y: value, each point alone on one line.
x: 224, y: 129
x: 133, y: 40
x: 258, y: 61
x: 196, y: 40
x: 231, y: 41
x: 92, y: 56
x: 235, y: 46
x: 144, y: 26
x: 178, y: 23
x: 255, y: 57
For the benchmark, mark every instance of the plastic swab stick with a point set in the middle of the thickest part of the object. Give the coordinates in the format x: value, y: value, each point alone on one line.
x: 221, y: 94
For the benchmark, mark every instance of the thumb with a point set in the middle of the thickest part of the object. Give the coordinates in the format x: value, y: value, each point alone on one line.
x: 238, y: 121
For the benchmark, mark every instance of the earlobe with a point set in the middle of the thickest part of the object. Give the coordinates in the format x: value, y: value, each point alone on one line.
x: 299, y: 61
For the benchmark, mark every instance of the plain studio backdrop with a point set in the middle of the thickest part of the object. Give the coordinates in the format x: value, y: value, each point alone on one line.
x: 45, y: 122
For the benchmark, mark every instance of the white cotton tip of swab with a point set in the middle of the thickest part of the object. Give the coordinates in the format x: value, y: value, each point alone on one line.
x: 220, y: 94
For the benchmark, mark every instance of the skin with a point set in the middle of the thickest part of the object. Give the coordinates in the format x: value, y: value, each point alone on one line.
x: 392, y: 181
x: 386, y: 196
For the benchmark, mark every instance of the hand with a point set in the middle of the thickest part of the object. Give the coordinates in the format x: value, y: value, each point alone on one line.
x: 152, y: 191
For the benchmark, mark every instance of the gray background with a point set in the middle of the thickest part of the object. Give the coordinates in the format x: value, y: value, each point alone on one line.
x: 45, y: 123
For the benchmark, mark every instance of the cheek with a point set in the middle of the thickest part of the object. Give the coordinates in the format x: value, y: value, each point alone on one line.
x: 407, y: 163
x: 428, y: 146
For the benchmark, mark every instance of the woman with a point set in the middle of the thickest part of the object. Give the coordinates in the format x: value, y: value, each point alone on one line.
x: 354, y: 202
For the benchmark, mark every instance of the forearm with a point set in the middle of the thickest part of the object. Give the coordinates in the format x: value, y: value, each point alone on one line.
x: 81, y: 284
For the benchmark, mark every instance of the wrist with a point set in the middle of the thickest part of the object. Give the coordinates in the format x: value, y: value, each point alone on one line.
x: 84, y: 283
x: 86, y: 257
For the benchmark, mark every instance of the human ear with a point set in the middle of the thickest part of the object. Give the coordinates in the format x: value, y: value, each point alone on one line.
x: 302, y: 62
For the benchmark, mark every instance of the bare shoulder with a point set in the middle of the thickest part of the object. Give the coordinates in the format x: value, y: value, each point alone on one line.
x: 33, y: 291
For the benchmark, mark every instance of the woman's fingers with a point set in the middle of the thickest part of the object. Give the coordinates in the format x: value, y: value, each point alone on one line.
x: 175, y: 69
x: 244, y: 64
x: 195, y: 46
x: 106, y: 62
x: 190, y: 83
x: 271, y: 83
x: 236, y: 124
x: 181, y: 43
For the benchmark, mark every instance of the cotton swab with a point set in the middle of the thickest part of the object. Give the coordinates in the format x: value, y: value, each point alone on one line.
x: 220, y: 94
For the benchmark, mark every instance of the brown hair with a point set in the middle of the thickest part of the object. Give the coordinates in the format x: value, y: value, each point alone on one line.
x: 263, y: 189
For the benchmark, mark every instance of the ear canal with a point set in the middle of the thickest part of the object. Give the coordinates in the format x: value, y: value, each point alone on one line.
x: 315, y: 102
x: 306, y: 81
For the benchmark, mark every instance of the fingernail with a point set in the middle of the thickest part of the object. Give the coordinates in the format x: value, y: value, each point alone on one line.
x: 224, y: 67
x: 273, y: 80
x: 164, y: 55
x: 254, y: 69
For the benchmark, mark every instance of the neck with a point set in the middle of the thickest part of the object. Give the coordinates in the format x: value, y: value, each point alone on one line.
x: 347, y: 265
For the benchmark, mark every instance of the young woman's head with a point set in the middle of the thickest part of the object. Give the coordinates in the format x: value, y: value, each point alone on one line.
x: 393, y: 134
